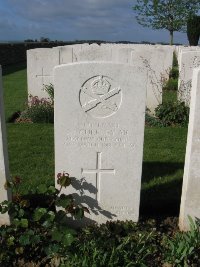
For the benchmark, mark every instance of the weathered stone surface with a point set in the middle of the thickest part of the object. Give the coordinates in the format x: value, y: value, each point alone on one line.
x: 166, y: 58
x: 99, y: 128
x: 40, y: 64
x: 94, y: 52
x: 65, y: 54
x: 187, y: 62
x: 122, y: 54
x: 180, y: 49
x: 70, y: 53
x: 158, y: 71
x: 190, y: 201
x: 4, y: 172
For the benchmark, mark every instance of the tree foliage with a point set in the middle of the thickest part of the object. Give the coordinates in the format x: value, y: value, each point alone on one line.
x: 193, y: 30
x: 171, y: 15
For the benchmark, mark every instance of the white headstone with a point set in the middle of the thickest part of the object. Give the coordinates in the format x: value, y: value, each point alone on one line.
x: 166, y: 56
x: 122, y: 54
x: 190, y: 201
x: 187, y: 62
x: 94, y: 52
x: 182, y: 49
x: 4, y: 173
x: 99, y: 128
x: 70, y: 53
x: 157, y: 61
x: 40, y: 64
x: 65, y: 54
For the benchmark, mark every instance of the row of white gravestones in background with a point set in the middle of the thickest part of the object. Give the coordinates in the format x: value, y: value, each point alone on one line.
x: 156, y: 60
x: 41, y: 62
x: 99, y: 139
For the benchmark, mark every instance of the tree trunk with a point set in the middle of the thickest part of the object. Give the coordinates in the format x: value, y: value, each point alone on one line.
x: 171, y: 37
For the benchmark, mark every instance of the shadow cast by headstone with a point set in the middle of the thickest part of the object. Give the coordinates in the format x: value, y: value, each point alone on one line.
x: 13, y: 68
x: 150, y: 170
x: 81, y: 198
x: 161, y: 200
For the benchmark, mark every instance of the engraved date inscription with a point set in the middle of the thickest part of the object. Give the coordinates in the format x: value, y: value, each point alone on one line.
x: 99, y: 136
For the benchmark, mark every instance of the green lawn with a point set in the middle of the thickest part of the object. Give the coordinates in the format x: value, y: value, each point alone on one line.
x: 31, y: 153
x: 15, y: 89
x: 164, y: 154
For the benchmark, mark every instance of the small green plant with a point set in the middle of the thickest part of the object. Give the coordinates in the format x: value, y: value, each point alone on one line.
x: 114, y: 244
x: 171, y: 84
x: 174, y: 73
x: 152, y: 121
x: 183, y: 250
x: 38, y: 111
x: 173, y: 113
x: 175, y: 60
x: 38, y: 232
x: 50, y: 91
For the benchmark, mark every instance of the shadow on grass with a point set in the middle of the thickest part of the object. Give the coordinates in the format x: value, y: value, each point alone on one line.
x: 161, y: 199
x: 13, y: 68
x: 151, y: 170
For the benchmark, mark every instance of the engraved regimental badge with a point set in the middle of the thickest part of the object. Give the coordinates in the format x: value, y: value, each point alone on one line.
x: 100, y: 97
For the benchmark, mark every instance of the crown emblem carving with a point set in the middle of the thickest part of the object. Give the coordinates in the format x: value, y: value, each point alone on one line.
x: 100, y: 86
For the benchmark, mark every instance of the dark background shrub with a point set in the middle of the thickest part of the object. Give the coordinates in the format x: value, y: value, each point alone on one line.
x: 174, y: 73
x: 171, y: 114
x: 38, y: 111
x: 193, y: 30
x: 172, y: 83
x: 175, y: 60
x: 152, y: 121
x: 38, y: 114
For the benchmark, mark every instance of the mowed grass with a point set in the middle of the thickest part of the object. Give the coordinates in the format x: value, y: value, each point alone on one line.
x: 31, y: 154
x: 163, y: 163
x: 15, y: 88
